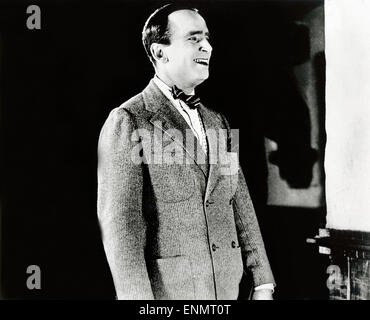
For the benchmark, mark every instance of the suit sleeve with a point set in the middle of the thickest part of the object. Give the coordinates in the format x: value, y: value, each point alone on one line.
x: 120, y: 192
x: 249, y: 234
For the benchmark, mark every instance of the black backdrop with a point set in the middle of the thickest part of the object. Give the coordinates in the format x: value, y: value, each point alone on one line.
x: 58, y: 85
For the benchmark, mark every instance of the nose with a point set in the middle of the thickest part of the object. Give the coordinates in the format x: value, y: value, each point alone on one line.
x: 205, y: 46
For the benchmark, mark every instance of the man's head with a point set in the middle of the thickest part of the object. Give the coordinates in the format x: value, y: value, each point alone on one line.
x: 176, y: 39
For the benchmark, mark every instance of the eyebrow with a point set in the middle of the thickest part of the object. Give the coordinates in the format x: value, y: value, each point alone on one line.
x: 191, y: 33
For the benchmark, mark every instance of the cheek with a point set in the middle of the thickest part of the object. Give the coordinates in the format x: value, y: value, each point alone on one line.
x: 181, y: 58
x: 176, y: 58
x: 183, y: 63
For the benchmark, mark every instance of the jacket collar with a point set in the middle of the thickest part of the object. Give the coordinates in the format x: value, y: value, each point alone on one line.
x: 164, y: 115
x: 161, y: 110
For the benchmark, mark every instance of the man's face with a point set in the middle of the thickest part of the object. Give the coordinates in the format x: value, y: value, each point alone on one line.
x: 189, y: 51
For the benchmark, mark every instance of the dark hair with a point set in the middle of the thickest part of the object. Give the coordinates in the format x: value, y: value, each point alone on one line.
x: 156, y: 27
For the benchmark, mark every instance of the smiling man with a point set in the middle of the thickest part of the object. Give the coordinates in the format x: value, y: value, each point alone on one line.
x: 181, y: 229
x: 185, y: 60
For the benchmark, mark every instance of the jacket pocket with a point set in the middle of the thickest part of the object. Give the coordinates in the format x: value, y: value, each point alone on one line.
x: 172, y: 278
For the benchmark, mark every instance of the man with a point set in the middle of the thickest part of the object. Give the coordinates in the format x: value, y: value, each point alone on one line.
x: 182, y: 229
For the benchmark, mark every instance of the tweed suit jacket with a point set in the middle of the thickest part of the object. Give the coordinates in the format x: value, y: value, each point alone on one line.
x: 172, y: 230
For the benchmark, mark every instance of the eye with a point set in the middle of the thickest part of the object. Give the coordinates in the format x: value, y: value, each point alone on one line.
x: 194, y: 39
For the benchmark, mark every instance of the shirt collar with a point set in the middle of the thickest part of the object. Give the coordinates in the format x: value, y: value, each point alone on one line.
x: 167, y: 90
x: 163, y: 87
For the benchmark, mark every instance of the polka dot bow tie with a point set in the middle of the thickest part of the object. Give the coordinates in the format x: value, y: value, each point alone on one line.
x: 192, y: 101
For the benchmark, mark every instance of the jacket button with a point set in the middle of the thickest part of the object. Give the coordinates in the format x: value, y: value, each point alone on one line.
x: 214, y: 247
x: 233, y: 244
x: 208, y: 202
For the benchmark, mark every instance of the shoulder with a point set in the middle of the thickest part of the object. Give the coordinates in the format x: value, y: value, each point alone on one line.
x: 133, y: 106
x: 121, y: 121
x: 125, y: 113
x: 130, y: 107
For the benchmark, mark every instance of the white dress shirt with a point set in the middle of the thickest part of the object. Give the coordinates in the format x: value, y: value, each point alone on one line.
x: 192, y: 118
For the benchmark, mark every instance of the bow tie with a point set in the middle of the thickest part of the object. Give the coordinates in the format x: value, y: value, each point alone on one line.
x: 192, y: 101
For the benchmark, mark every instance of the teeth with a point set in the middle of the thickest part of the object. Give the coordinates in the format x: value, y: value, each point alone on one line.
x: 201, y: 60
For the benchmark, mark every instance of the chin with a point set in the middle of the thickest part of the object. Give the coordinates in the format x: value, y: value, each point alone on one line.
x: 202, y: 78
x: 198, y: 81
x: 205, y: 75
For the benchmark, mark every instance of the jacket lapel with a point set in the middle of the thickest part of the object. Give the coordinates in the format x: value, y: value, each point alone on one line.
x: 165, y: 116
x: 211, y: 126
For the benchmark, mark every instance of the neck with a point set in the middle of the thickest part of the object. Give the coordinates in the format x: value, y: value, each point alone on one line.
x: 171, y: 82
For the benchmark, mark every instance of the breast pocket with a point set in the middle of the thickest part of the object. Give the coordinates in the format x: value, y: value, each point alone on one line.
x: 172, y: 182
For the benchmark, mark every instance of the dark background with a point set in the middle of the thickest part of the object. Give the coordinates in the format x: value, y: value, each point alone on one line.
x: 58, y: 85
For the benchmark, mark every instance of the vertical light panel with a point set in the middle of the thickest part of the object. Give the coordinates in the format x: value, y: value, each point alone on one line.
x: 347, y: 159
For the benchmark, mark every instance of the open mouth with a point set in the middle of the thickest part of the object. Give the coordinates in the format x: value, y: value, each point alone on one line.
x: 202, y: 61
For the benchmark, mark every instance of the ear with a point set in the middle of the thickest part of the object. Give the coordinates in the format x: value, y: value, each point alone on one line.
x: 158, y: 52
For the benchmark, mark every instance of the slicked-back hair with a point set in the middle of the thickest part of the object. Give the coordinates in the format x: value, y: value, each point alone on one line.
x: 156, y: 29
